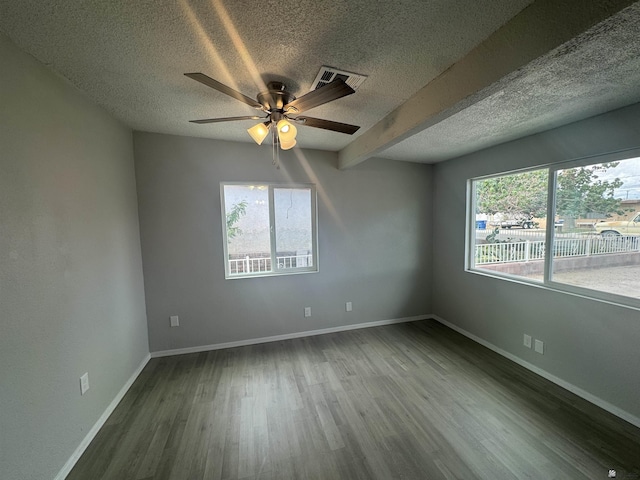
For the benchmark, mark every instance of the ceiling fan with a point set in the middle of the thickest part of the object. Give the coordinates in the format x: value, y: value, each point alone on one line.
x: 282, y: 108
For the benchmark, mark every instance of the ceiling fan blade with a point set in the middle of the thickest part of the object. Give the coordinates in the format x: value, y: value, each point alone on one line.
x: 221, y: 87
x: 328, y: 125
x: 328, y: 93
x: 226, y: 119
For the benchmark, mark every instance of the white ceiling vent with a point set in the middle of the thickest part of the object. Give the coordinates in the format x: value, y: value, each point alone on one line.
x: 328, y: 74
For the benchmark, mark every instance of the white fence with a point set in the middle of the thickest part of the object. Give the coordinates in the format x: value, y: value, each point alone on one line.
x: 517, y: 233
x: 249, y: 265
x: 528, y: 250
x: 295, y: 261
x: 263, y: 264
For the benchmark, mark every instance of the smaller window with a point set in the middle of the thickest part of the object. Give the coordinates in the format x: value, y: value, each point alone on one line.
x: 269, y: 229
x: 509, y: 224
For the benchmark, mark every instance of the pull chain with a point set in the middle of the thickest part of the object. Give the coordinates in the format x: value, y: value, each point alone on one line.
x: 276, y: 147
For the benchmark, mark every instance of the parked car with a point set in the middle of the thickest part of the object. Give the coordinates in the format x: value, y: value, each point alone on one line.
x: 624, y: 227
x: 518, y: 223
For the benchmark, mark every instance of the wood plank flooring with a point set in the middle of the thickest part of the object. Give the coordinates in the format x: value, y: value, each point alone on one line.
x: 407, y: 401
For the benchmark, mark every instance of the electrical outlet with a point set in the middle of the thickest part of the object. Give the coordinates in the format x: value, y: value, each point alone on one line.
x: 539, y: 346
x: 307, y: 311
x: 349, y: 306
x: 84, y: 383
x: 527, y: 340
x: 175, y: 321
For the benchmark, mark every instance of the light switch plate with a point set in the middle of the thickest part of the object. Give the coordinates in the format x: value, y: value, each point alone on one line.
x: 539, y: 346
x: 175, y: 321
x: 349, y: 306
x: 527, y: 340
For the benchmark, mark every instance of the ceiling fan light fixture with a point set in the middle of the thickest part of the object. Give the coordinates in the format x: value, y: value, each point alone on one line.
x: 259, y: 132
x: 287, y: 145
x: 286, y: 131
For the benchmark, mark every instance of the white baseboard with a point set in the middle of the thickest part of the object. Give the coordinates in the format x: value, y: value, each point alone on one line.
x: 618, y: 412
x: 288, y: 336
x: 66, y: 469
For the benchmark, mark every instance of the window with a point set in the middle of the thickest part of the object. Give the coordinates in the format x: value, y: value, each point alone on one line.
x: 269, y: 229
x: 509, y: 216
x: 573, y: 226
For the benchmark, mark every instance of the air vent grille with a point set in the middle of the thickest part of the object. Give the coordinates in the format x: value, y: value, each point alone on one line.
x: 329, y: 74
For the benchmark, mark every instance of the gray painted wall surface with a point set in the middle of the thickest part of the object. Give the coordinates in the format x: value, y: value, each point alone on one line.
x: 592, y: 345
x: 71, y: 285
x: 374, y: 242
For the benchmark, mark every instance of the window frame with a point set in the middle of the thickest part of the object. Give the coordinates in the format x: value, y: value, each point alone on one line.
x: 547, y: 282
x: 275, y: 269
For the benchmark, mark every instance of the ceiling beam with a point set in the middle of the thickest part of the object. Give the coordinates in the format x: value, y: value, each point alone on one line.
x: 535, y: 31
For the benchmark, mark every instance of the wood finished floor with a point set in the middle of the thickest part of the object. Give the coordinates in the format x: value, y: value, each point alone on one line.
x: 408, y: 401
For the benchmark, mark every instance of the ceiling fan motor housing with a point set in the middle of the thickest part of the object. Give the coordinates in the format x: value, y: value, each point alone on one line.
x: 275, y: 98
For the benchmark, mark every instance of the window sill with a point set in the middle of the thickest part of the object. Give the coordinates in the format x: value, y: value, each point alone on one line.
x: 271, y: 274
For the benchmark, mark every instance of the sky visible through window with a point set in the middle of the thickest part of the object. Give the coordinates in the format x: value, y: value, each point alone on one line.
x: 629, y: 172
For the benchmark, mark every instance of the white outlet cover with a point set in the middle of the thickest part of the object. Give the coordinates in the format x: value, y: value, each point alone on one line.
x: 527, y: 340
x: 175, y: 321
x: 349, y: 306
x: 307, y: 311
x: 84, y: 383
x: 539, y: 346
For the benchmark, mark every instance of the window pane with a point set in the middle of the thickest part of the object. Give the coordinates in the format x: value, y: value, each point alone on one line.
x: 596, y: 240
x: 248, y: 235
x: 510, y: 223
x: 293, y: 227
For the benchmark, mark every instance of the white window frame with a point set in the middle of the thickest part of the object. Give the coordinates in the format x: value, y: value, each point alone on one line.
x: 276, y: 270
x: 547, y: 282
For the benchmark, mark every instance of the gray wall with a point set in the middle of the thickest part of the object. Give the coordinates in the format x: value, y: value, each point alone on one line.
x: 71, y: 285
x: 590, y: 344
x: 374, y: 242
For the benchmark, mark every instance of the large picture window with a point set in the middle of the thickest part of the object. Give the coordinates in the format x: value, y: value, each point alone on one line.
x: 573, y: 226
x: 269, y: 229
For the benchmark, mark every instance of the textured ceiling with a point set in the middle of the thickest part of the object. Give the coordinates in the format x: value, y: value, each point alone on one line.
x: 596, y: 72
x: 130, y: 56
